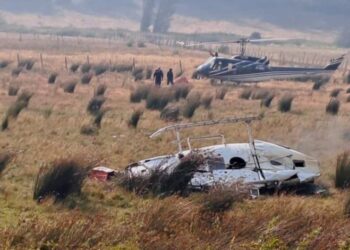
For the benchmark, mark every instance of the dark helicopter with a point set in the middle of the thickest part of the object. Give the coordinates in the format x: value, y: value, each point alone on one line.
x: 242, y: 68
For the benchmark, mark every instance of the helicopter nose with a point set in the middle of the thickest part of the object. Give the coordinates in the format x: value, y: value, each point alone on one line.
x: 201, y: 70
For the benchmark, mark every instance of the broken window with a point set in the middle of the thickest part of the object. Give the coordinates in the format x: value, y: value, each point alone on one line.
x: 299, y: 163
x: 237, y: 163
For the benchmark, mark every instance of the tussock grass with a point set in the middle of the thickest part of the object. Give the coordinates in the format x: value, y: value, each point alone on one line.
x: 348, y: 91
x: 141, y: 45
x: 266, y: 102
x: 74, y: 67
x: 319, y: 83
x: 220, y: 199
x: 221, y: 93
x: 95, y: 104
x: 98, y: 117
x: 13, y: 90
x: 89, y: 130
x: 4, y: 64
x: 335, y: 92
x: 16, y: 108
x: 347, y: 78
x: 138, y: 74
x: 246, y: 94
x: 52, y: 78
x: 149, y: 73
x: 16, y: 71
x: 27, y: 64
x: 62, y: 178
x: 4, y: 161
x: 206, y: 101
x: 121, y: 68
x: 140, y: 93
x: 181, y: 91
x: 85, y: 68
x: 158, y: 99
x: 100, y: 69
x: 170, y: 113
x: 86, y: 78
x: 347, y: 206
x: 260, y: 94
x: 285, y: 103
x: 135, y: 118
x: 70, y: 86
x: 161, y: 183
x: 193, y: 102
x: 348, y: 98
x: 333, y: 106
x: 100, y: 90
x: 342, y: 174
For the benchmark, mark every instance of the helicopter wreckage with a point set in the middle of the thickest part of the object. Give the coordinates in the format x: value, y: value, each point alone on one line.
x: 259, y: 165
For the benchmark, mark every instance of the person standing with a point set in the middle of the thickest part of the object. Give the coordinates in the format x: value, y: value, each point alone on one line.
x: 158, y: 77
x: 170, y: 77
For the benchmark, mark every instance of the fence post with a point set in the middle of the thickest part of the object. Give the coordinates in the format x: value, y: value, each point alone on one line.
x: 88, y: 59
x: 181, y: 70
x: 66, y: 62
x: 41, y: 61
x: 18, y: 59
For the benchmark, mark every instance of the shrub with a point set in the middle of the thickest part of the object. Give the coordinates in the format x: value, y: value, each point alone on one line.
x: 266, y: 102
x: 260, y: 94
x: 13, y: 90
x: 140, y: 93
x: 69, y: 87
x: 85, y: 68
x: 348, y: 91
x: 138, y: 74
x: 4, y: 64
x: 221, y: 93
x: 100, y: 90
x: 170, y: 113
x: 221, y: 199
x: 335, y: 92
x: 192, y: 103
x: 52, y: 78
x: 86, y: 78
x: 348, y: 99
x: 16, y: 71
x: 285, y: 103
x: 181, y: 91
x: 246, y: 94
x: 62, y: 178
x: 158, y: 99
x: 89, y: 130
x: 319, y: 82
x: 74, y: 67
x: 333, y: 106
x: 135, y: 118
x: 342, y: 174
x: 28, y: 64
x: 100, y: 69
x: 206, y: 101
x: 95, y: 104
x: 4, y: 161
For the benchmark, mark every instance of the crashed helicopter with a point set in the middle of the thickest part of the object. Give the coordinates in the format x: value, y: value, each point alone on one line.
x: 247, y: 69
x: 257, y: 164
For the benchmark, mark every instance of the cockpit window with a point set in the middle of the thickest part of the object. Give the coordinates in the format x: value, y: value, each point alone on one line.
x: 237, y: 163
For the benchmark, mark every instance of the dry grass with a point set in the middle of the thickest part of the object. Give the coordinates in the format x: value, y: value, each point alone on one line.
x: 221, y: 93
x: 342, y: 176
x: 246, y: 94
x: 170, y: 113
x: 206, y: 101
x: 86, y: 78
x: 135, y: 118
x: 333, y: 106
x: 4, y: 161
x: 285, y: 103
x: 69, y: 87
x: 13, y: 90
x: 106, y: 216
x: 193, y: 102
x: 52, y: 78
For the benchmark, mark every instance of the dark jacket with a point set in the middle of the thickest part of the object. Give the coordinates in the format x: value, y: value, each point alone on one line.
x: 158, y: 76
x: 170, y: 76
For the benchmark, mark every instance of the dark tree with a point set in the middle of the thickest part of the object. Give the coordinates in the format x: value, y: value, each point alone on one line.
x: 163, y: 18
x: 255, y: 35
x: 147, y: 15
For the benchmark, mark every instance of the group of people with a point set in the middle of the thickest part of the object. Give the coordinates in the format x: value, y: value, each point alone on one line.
x: 159, y: 76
